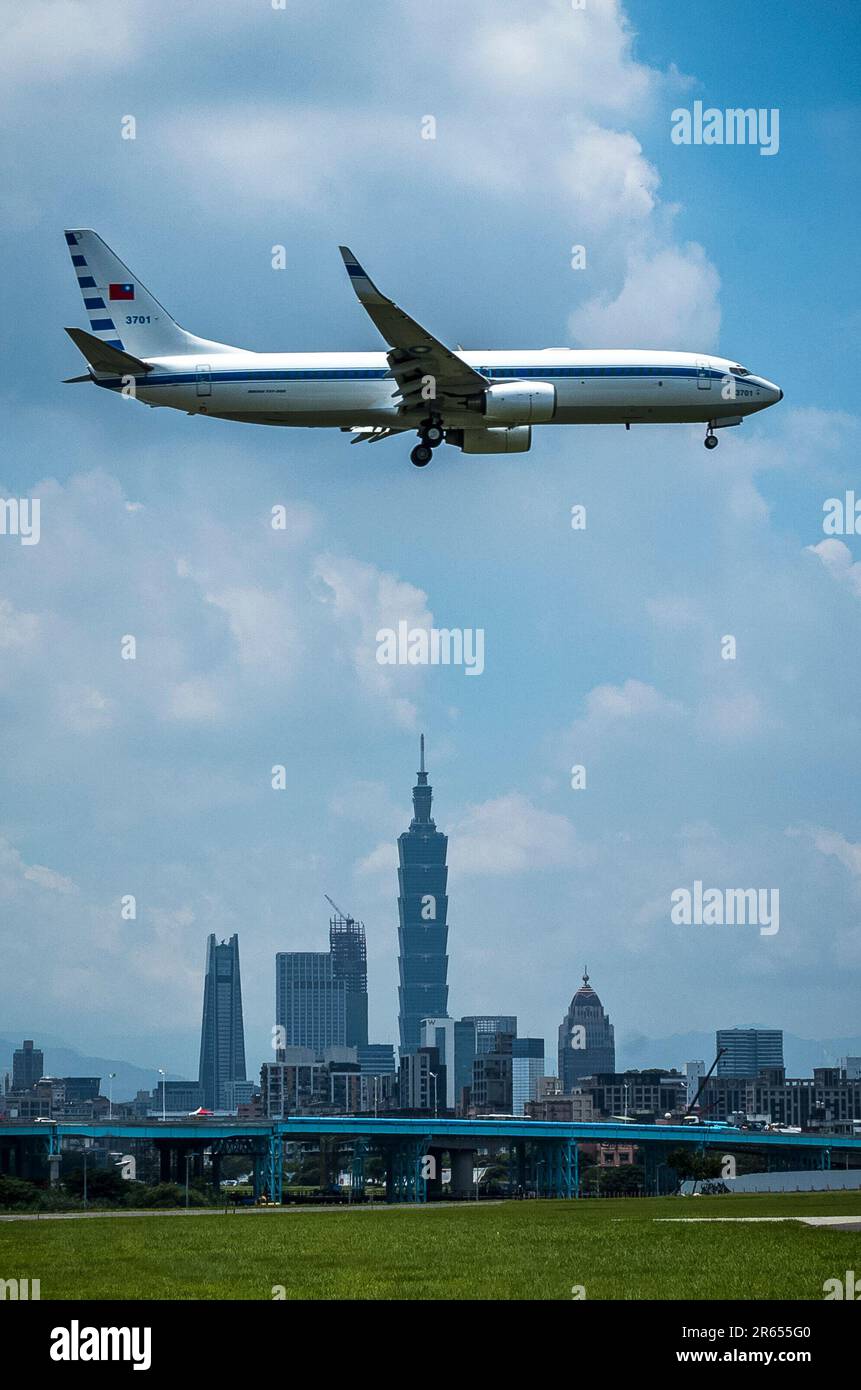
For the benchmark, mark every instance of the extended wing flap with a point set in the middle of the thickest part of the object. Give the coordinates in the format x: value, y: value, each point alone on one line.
x: 415, y: 354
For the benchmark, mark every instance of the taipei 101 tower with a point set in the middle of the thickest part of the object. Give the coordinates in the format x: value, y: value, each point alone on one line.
x: 422, y: 910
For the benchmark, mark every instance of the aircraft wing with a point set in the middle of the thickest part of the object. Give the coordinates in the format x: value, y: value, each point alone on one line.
x: 414, y: 354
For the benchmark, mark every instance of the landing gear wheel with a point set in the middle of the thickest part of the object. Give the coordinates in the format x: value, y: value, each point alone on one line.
x: 711, y: 441
x: 433, y: 435
x: 422, y: 454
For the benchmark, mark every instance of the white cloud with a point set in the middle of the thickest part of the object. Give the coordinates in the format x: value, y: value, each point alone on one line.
x: 832, y: 844
x: 46, y: 41
x: 361, y: 600
x: 837, y: 559
x: 260, y: 625
x: 635, y: 699
x: 605, y: 171
x: 16, y: 629
x: 669, y: 300
x: 550, y: 53
x: 510, y: 835
x: 14, y: 870
x: 194, y: 701
x: 736, y: 716
x: 84, y: 708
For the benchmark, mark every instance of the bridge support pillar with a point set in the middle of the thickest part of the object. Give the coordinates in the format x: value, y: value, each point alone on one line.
x: 357, y: 1168
x: 163, y: 1162
x: 405, y: 1170
x: 462, y: 1165
x: 433, y: 1185
x: 274, y: 1175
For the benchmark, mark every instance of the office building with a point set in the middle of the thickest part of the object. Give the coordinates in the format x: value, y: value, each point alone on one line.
x: 586, y: 1038
x: 179, y: 1098
x: 376, y: 1059
x: 440, y: 1033
x: 422, y: 918
x: 829, y: 1100
x: 28, y: 1066
x: 222, y: 1038
x: 491, y: 1091
x: 748, y: 1051
x: 422, y: 1081
x: 650, y: 1094
x: 694, y: 1072
x: 576, y: 1107
x: 487, y: 1026
x: 527, y: 1069
x: 310, y: 1002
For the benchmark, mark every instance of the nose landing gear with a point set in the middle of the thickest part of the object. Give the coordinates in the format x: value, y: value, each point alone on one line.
x: 431, y: 435
x: 711, y: 440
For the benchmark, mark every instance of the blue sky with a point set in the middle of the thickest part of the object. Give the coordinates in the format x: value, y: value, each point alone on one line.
x: 302, y: 127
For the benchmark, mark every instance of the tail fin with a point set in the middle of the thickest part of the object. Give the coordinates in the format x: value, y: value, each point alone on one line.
x: 122, y: 312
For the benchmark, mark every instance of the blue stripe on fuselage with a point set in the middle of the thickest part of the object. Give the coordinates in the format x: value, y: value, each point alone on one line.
x: 494, y: 374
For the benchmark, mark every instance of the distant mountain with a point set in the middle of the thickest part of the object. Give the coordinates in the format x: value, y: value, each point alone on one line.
x: 801, y: 1055
x: 65, y: 1061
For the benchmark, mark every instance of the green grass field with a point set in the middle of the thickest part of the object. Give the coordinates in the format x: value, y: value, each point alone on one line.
x: 616, y: 1249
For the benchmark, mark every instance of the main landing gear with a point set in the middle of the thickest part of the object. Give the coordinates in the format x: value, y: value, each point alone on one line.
x: 431, y: 435
x: 711, y: 440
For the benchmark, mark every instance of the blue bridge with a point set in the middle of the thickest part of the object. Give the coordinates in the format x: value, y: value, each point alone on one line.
x: 543, y: 1157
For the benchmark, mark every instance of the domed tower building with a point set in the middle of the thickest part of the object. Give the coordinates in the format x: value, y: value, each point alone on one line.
x: 586, y: 1041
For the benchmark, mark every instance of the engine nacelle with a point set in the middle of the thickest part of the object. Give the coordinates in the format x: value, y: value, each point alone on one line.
x: 517, y: 403
x: 492, y: 441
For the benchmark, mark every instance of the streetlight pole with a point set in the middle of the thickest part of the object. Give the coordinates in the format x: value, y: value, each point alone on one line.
x: 111, y: 1096
x: 162, y: 1074
x: 432, y: 1075
x: 85, y: 1174
x: 188, y: 1158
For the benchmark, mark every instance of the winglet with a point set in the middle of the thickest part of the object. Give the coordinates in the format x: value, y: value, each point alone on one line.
x: 364, y: 286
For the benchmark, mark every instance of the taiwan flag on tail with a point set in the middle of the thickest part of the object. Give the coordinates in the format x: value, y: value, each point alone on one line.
x: 121, y: 291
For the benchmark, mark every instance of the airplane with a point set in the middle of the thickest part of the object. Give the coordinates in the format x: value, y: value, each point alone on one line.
x: 482, y: 402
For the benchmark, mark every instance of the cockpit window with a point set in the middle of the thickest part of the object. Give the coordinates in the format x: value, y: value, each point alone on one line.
x: 741, y: 371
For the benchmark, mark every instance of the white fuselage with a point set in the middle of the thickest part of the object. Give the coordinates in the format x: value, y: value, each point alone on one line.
x: 356, y: 389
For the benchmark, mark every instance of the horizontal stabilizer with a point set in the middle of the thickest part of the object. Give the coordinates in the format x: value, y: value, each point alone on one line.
x: 107, y: 360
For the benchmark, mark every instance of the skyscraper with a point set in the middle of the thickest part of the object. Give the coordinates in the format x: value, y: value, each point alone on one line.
x: 28, y: 1066
x: 422, y: 911
x: 527, y: 1068
x: 310, y: 1003
x: 586, y: 1040
x: 222, y: 1038
x: 350, y: 964
x: 747, y: 1051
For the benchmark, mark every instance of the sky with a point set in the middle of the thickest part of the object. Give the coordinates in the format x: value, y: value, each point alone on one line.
x: 258, y: 127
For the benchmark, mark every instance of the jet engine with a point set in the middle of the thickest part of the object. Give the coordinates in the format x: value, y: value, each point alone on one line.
x: 492, y: 441
x: 517, y: 403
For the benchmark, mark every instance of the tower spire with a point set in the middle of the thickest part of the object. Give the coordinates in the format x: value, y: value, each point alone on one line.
x: 422, y: 793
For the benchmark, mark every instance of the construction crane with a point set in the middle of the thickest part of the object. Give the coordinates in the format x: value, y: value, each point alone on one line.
x: 702, y: 1085
x: 346, y: 915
